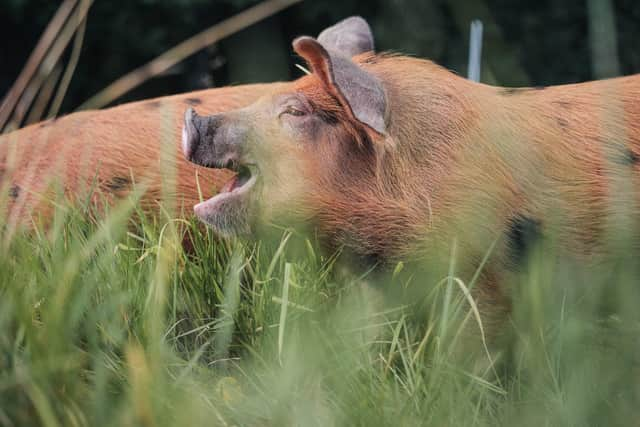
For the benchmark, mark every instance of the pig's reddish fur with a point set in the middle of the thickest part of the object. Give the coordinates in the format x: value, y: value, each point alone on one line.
x: 108, y: 151
x: 466, y: 162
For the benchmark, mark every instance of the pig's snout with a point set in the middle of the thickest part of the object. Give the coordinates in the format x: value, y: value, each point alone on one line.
x: 202, y: 139
x: 212, y: 141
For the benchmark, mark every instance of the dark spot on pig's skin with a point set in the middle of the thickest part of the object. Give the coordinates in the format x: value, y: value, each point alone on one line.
x: 508, y: 91
x: 522, y: 234
x: 628, y: 158
x: 153, y: 104
x: 118, y: 183
x: 14, y: 191
x: 193, y: 101
x: 563, y: 123
x: 511, y: 90
x: 562, y: 104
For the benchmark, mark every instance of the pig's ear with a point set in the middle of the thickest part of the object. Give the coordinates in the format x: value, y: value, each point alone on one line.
x: 349, y: 37
x: 360, y: 93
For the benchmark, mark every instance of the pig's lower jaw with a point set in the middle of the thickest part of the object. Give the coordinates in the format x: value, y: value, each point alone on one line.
x: 227, y: 213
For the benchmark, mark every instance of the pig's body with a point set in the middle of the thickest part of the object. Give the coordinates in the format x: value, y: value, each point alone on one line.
x: 470, y: 161
x: 485, y: 166
x: 108, y: 151
x: 398, y: 159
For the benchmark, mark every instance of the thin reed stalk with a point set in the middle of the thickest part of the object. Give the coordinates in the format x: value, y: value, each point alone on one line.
x: 185, y: 49
x: 41, y: 50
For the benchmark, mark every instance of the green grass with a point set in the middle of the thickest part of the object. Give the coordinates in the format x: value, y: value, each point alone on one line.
x: 109, y: 323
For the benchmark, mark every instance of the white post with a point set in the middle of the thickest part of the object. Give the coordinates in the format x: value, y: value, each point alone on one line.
x: 475, y: 50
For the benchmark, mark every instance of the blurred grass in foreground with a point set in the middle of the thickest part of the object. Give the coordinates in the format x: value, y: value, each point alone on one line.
x: 109, y: 324
x: 112, y: 323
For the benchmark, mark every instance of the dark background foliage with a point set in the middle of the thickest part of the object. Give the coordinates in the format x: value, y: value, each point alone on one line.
x: 527, y: 42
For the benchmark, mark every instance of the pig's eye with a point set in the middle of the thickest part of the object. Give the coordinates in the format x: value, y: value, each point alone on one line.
x: 293, y: 111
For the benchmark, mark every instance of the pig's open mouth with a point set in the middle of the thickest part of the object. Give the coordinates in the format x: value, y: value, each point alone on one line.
x: 237, y: 186
x: 227, y: 211
x: 231, y: 201
x: 243, y: 177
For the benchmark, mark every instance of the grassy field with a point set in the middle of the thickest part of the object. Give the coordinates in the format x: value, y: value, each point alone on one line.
x: 114, y: 323
x: 105, y: 323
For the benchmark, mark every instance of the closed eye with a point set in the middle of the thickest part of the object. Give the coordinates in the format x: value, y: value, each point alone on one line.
x: 293, y: 111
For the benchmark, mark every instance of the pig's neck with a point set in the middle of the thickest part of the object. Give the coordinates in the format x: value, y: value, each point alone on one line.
x: 405, y: 213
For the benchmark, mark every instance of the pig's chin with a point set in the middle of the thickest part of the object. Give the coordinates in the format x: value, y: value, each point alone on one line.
x: 227, y: 213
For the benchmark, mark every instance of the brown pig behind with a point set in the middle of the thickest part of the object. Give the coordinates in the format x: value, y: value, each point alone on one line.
x: 108, y: 152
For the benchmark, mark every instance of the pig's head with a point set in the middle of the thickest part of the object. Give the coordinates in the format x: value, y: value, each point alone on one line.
x: 287, y: 147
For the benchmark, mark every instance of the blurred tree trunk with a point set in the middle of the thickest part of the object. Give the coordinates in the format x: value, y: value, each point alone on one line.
x: 603, y: 40
x: 422, y: 31
x: 500, y: 62
x: 257, y: 54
